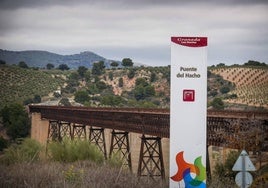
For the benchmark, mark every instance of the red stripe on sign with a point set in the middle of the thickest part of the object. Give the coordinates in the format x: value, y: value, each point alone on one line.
x: 190, y: 41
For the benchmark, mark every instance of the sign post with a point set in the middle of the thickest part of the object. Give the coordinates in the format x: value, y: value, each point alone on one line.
x: 243, y: 164
x: 188, y: 108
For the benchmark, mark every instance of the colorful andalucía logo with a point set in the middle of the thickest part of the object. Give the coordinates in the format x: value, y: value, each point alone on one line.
x: 186, y: 170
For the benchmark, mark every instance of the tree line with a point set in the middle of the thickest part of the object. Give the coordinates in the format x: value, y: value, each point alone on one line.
x: 248, y: 63
x: 126, y: 62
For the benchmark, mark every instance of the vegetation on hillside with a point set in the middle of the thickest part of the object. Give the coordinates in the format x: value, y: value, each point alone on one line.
x: 217, y: 88
x: 23, y: 84
x: 250, y: 83
x: 228, y: 86
x: 128, y: 87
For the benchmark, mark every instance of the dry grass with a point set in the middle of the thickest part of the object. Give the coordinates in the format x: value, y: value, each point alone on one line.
x: 77, y: 174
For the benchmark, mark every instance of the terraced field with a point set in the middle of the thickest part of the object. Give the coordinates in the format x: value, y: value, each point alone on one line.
x: 18, y: 84
x: 251, y: 84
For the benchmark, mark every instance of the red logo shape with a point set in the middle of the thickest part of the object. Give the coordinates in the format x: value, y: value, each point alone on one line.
x: 188, y: 95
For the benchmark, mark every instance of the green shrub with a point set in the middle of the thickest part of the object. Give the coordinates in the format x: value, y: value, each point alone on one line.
x: 112, y: 100
x: 65, y: 102
x: 28, y: 151
x: 225, y: 169
x: 74, y: 150
x: 120, y: 82
x: 81, y: 96
x: 217, y: 104
x: 16, y: 121
x: 131, y: 73
x: 224, y: 89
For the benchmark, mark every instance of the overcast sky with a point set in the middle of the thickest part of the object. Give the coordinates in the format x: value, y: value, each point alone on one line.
x: 237, y: 30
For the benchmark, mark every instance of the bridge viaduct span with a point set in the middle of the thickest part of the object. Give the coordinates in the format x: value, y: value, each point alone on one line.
x: 145, y: 131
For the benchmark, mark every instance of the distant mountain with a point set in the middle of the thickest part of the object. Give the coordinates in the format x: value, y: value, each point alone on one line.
x: 42, y: 58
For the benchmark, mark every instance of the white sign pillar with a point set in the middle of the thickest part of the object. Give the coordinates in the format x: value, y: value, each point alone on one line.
x: 188, y: 112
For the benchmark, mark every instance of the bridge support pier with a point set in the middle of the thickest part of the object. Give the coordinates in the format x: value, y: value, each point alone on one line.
x: 96, y: 136
x: 57, y: 130
x: 151, y: 161
x: 53, y: 131
x: 120, y: 145
x: 79, y: 132
x: 65, y: 129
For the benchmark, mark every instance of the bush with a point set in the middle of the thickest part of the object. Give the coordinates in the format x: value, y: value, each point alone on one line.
x: 36, y: 99
x: 153, y: 77
x: 232, y: 96
x: 81, y: 96
x: 142, y: 92
x: 50, y: 66
x: 98, y: 68
x: 224, y: 89
x: 65, y: 102
x: 217, y: 104
x: 111, y: 76
x: 112, y: 100
x: 74, y: 150
x: 16, y: 121
x: 22, y: 64
x: 131, y: 73
x: 127, y: 62
x: 121, y: 82
x: 225, y: 169
x: 82, y: 71
x: 101, y: 85
x: 63, y: 67
x: 27, y: 151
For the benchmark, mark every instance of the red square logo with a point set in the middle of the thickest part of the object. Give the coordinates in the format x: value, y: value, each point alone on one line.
x: 188, y: 95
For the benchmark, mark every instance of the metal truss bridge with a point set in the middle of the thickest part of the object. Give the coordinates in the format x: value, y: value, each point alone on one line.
x: 233, y: 129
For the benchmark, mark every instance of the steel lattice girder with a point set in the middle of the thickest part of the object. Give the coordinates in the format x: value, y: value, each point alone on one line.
x: 224, y: 128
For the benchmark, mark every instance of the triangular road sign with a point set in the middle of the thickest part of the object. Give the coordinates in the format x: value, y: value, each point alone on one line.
x: 238, y: 166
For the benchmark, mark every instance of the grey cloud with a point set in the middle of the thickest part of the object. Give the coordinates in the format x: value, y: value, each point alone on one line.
x: 15, y: 4
x: 115, y: 29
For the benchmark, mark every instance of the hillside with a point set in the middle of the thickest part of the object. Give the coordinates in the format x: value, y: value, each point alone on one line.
x: 18, y: 84
x: 42, y: 58
x: 239, y: 87
x: 251, y: 84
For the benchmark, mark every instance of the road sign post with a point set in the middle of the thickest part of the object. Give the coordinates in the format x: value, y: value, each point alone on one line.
x: 243, y: 164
